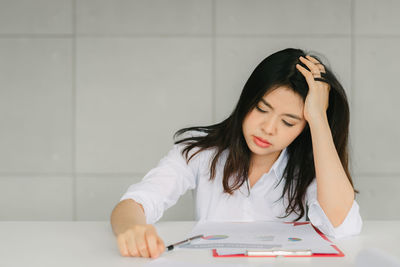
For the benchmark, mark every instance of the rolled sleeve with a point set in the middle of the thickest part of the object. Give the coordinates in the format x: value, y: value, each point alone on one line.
x: 351, y: 225
x: 162, y: 186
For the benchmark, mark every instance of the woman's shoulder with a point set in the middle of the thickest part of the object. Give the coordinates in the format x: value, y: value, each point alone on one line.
x: 202, y: 156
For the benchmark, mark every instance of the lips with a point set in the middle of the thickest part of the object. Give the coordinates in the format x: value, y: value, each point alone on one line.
x: 261, y: 142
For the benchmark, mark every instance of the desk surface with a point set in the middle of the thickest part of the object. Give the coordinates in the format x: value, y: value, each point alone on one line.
x: 93, y: 244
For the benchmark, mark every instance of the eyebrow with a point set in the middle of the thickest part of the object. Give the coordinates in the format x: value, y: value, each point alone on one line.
x: 286, y: 114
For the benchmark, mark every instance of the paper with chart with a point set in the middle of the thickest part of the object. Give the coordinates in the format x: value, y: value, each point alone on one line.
x: 258, y: 235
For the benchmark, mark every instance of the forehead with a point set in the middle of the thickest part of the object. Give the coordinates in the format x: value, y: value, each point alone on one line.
x: 284, y: 98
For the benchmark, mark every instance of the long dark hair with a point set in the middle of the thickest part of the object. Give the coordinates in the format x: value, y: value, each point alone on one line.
x: 276, y: 70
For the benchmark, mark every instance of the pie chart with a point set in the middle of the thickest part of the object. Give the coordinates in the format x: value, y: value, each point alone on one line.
x: 215, y: 237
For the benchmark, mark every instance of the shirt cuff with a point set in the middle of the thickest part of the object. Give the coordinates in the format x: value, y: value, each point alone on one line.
x: 149, y: 212
x: 351, y: 225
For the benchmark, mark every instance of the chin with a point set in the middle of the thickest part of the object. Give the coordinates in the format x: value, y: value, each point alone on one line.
x: 260, y: 151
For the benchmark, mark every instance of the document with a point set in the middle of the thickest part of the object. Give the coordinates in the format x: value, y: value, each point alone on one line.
x: 163, y: 262
x: 228, y: 237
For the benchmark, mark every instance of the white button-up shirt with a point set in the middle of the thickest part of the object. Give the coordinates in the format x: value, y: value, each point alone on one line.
x: 172, y: 177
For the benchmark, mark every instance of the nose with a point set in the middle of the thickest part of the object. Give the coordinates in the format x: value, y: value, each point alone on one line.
x: 269, y: 126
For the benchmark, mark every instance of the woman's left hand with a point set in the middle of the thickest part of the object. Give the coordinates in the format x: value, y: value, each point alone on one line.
x: 317, y: 99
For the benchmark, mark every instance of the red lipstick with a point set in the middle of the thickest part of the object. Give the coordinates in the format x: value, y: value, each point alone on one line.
x: 261, y: 142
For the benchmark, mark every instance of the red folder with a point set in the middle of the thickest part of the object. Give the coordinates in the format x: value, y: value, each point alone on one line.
x: 340, y: 253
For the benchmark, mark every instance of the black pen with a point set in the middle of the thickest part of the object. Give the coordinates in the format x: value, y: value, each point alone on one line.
x: 171, y: 247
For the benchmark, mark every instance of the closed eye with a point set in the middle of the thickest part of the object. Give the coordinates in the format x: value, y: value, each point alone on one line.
x: 259, y: 109
x: 285, y: 122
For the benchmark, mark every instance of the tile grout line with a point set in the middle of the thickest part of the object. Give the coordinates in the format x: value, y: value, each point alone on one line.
x: 157, y: 35
x: 352, y: 57
x: 74, y: 89
x: 213, y: 64
x: 56, y: 175
x: 377, y: 174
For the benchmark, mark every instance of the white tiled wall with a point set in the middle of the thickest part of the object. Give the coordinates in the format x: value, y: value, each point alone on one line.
x: 132, y: 93
x: 283, y: 18
x: 91, y: 91
x: 144, y: 18
x: 27, y: 17
x: 36, y: 197
x: 36, y: 105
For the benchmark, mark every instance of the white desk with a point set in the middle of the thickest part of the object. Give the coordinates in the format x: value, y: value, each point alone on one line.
x: 74, y: 244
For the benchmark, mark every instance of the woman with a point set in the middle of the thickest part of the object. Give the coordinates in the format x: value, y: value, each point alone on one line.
x: 281, y: 155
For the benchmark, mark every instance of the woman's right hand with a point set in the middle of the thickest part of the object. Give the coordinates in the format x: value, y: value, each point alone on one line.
x: 140, y: 240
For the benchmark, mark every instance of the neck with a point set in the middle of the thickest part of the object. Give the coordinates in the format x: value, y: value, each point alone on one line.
x: 264, y: 161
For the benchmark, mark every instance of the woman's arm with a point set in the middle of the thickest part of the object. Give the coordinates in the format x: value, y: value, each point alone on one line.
x: 335, y: 194
x: 159, y: 189
x: 125, y: 214
x: 134, y: 237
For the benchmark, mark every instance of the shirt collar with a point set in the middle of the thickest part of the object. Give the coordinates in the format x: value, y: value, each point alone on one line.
x: 280, y: 164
